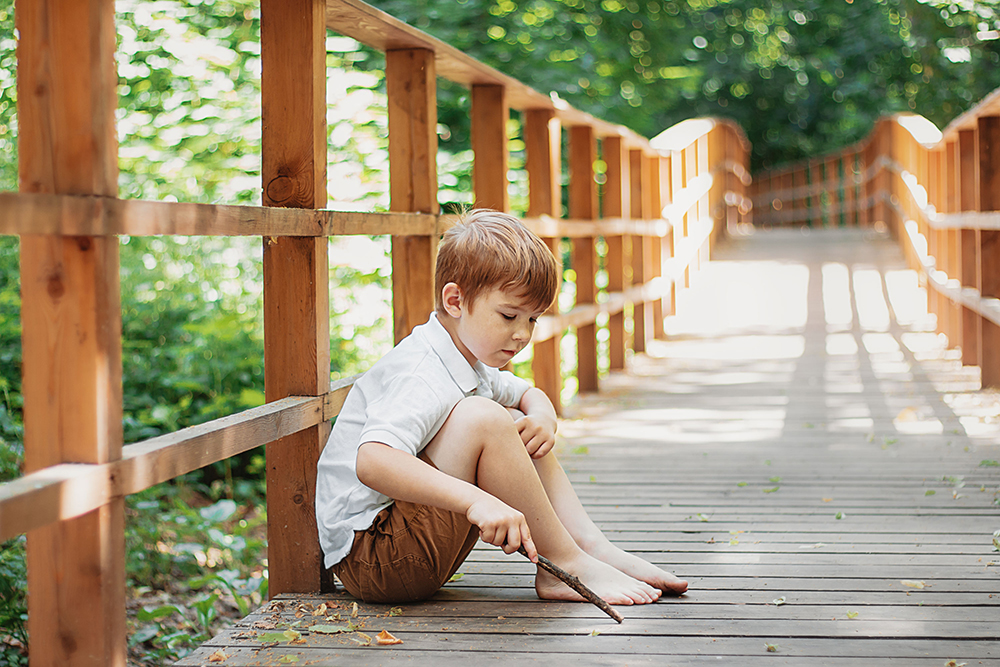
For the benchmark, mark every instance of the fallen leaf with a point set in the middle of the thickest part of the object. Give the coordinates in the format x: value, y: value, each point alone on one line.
x: 455, y: 577
x: 929, y: 492
x: 218, y: 656
x: 320, y: 610
x: 594, y: 633
x: 329, y: 629
x: 354, y: 610
x: 365, y: 640
x: 818, y: 545
x: 952, y: 663
x: 913, y: 584
x: 262, y: 625
x: 771, y: 648
x: 779, y: 601
x: 288, y: 659
x: 733, y: 542
x: 593, y: 479
x: 852, y: 614
x: 741, y: 484
x: 292, y: 635
x: 774, y: 480
x: 839, y: 515
x: 827, y: 500
x: 702, y: 517
x: 385, y: 639
x: 907, y: 415
x: 771, y: 490
x: 396, y: 611
x: 988, y: 463
x: 272, y: 637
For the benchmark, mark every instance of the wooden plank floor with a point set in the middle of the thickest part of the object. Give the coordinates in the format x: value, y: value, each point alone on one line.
x: 799, y: 453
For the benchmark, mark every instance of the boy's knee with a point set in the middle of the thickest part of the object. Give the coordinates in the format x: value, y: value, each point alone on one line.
x: 481, y: 413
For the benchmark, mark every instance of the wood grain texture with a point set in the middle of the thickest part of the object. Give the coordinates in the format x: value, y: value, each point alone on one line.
x: 641, y: 204
x: 296, y: 278
x: 542, y: 139
x: 583, y: 205
x: 616, y: 205
x: 411, y: 89
x: 490, y: 114
x: 71, y: 319
x: 91, y: 215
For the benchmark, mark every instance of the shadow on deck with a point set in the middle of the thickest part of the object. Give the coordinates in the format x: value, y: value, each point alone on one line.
x: 806, y: 453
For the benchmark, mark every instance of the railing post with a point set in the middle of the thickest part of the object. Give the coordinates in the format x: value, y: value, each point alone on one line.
x: 640, y: 204
x: 583, y: 206
x: 967, y: 182
x: 989, y: 200
x: 489, y: 144
x: 411, y: 87
x: 616, y: 205
x: 704, y: 211
x: 668, y: 190
x: 296, y: 279
x: 542, y: 141
x: 656, y: 192
x: 71, y: 319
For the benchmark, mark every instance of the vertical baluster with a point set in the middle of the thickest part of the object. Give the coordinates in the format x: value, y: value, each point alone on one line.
x: 71, y: 319
x: 616, y: 205
x: 296, y: 278
x: 542, y: 141
x: 583, y: 206
x: 989, y: 242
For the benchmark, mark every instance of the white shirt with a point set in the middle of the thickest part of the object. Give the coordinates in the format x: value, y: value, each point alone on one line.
x: 402, y: 402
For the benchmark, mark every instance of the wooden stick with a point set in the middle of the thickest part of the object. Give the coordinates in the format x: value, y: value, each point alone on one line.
x: 573, y: 582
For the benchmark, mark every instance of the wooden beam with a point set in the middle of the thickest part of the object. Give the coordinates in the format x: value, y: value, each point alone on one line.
x: 616, y: 205
x: 542, y: 142
x: 583, y: 205
x: 642, y: 253
x: 296, y: 278
x: 489, y: 144
x: 411, y: 89
x: 967, y: 166
x: 988, y: 139
x: 658, y: 166
x: 91, y: 215
x: 71, y: 319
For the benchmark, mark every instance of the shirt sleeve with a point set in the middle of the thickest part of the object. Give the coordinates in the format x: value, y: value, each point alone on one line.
x: 405, y: 416
x: 508, y: 388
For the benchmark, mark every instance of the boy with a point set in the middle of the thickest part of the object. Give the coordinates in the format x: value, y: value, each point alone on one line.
x: 436, y: 448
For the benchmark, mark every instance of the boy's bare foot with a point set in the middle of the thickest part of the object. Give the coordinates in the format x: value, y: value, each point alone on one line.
x: 610, y: 584
x: 638, y: 568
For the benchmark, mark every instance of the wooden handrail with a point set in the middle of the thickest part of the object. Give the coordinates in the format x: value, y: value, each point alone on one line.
x: 937, y: 192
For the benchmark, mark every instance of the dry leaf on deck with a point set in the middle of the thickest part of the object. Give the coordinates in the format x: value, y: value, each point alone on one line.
x: 218, y: 656
x: 913, y: 584
x: 320, y: 610
x: 354, y: 610
x: 385, y: 639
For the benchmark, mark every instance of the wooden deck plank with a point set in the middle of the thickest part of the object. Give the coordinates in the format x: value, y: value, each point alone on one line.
x: 673, y: 459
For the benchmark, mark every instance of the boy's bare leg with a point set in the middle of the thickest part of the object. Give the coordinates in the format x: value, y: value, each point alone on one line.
x: 574, y: 517
x: 480, y: 444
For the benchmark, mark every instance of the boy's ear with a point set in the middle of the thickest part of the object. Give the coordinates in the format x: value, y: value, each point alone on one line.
x: 451, y: 299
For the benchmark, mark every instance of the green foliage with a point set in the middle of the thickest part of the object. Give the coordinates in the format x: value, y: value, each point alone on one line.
x: 11, y: 430
x: 801, y: 77
x: 13, y: 603
x: 8, y: 98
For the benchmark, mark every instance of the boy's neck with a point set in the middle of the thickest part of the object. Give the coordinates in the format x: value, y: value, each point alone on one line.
x: 450, y: 325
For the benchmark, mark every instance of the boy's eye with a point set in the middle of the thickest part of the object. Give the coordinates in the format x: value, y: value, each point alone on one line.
x: 509, y: 318
x: 533, y: 320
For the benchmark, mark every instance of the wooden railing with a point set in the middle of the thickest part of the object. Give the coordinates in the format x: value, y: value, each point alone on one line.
x: 939, y: 194
x: 663, y: 202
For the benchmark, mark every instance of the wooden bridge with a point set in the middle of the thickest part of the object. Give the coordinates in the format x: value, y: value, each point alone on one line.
x: 807, y: 454
x: 801, y: 395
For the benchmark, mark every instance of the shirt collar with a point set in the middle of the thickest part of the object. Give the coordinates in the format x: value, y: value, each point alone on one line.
x: 464, y: 375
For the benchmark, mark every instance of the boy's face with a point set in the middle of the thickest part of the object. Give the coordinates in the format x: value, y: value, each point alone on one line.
x: 497, y: 327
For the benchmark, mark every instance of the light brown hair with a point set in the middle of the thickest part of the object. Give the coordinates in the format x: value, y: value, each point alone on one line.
x: 493, y: 250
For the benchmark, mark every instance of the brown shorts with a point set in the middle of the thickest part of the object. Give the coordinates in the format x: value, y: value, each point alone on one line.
x: 407, y: 554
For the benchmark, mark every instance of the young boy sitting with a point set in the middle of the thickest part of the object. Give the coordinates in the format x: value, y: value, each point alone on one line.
x: 436, y: 448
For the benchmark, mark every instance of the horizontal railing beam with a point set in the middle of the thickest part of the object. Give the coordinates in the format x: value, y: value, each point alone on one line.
x: 70, y: 490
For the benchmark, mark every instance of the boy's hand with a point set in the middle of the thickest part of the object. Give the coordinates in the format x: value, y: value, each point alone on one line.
x: 501, y: 525
x: 538, y: 433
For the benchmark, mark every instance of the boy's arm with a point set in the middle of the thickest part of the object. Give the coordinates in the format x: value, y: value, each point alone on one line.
x: 402, y: 476
x: 538, y: 426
